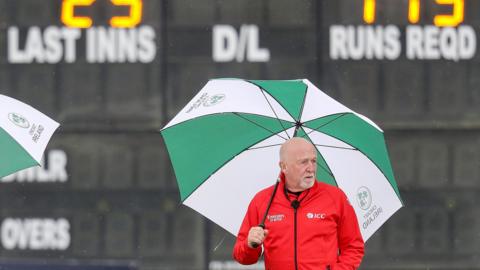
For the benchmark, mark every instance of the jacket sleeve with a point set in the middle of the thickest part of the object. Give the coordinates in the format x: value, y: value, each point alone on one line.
x: 242, y: 253
x: 350, y: 241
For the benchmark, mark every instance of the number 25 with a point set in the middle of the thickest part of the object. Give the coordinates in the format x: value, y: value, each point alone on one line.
x: 69, y: 19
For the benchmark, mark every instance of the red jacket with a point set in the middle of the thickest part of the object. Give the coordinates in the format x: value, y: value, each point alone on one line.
x: 327, y: 232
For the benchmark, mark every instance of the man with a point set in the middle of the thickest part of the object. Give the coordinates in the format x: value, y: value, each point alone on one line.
x: 310, y: 225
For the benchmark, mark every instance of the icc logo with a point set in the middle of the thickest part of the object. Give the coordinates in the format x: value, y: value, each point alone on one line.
x: 364, y: 198
x: 316, y: 215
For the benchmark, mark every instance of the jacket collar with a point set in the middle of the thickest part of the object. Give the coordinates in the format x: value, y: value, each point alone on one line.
x: 304, y: 196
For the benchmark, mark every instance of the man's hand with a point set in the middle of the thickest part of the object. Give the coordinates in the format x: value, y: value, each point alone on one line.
x: 256, y: 236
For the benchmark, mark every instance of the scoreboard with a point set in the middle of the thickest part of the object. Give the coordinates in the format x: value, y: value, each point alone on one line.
x: 113, y: 72
x: 119, y: 41
x: 443, y: 34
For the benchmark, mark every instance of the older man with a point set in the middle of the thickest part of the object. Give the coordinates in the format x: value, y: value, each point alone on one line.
x: 310, y: 225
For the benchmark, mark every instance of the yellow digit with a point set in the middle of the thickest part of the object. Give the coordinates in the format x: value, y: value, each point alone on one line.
x: 68, y: 13
x: 453, y: 19
x: 413, y: 11
x: 369, y: 11
x: 135, y: 16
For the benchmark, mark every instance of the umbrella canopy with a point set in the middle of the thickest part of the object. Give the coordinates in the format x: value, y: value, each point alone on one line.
x: 24, y: 135
x: 224, y: 148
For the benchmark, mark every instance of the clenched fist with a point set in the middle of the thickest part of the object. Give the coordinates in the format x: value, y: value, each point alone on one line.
x: 256, y: 236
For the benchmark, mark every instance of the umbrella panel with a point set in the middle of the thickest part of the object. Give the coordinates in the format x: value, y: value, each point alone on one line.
x: 14, y: 157
x: 215, y: 140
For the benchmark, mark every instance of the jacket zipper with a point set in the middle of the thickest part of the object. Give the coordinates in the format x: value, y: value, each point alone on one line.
x: 295, y: 240
x: 295, y: 237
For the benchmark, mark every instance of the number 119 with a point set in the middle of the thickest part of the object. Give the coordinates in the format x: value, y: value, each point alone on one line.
x: 441, y: 20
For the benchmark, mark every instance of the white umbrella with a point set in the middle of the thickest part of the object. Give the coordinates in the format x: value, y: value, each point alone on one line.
x: 24, y: 135
x: 224, y: 148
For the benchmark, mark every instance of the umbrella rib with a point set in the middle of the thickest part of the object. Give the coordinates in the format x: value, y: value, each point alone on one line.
x: 337, y: 147
x: 271, y: 107
x: 303, y: 103
x: 273, y: 133
x: 262, y: 90
x: 329, y: 172
x: 210, y: 114
x: 266, y: 146
x: 335, y: 119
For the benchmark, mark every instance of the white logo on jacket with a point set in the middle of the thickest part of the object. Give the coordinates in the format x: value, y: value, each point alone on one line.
x: 275, y: 218
x: 316, y: 215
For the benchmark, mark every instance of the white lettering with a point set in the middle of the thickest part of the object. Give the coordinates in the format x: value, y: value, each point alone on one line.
x: 373, y: 43
x: 63, y: 234
x: 431, y: 42
x: 414, y: 42
x: 431, y: 34
x: 38, y: 233
x: 224, y: 43
x: 146, y: 44
x: 15, y: 55
x: 467, y: 43
x: 9, y: 233
x: 392, y: 46
x: 127, y: 45
x: 356, y: 44
x: 364, y: 42
x: 42, y: 47
x: 91, y: 50
x: 106, y: 44
x: 384, y: 42
x: 34, y: 45
x: 118, y: 45
x: 227, y: 45
x: 53, y: 45
x: 254, y: 52
x: 338, y: 42
x: 35, y: 234
x: 448, y: 43
x: 70, y: 35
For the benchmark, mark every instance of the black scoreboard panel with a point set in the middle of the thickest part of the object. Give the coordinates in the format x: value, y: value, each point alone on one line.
x: 405, y: 74
x: 107, y: 191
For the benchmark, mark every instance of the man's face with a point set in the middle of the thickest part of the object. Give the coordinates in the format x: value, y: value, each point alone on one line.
x: 300, y: 166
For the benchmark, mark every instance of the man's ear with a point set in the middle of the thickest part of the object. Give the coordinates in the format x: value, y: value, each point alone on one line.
x: 282, y: 165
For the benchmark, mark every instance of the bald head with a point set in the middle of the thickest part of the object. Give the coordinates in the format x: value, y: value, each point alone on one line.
x: 292, y: 144
x: 298, y: 161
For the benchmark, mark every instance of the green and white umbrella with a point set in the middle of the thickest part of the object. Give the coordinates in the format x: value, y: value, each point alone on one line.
x: 224, y: 147
x: 24, y: 135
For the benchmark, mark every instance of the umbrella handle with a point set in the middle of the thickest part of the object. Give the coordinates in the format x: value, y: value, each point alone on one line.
x: 255, y: 244
x: 262, y: 225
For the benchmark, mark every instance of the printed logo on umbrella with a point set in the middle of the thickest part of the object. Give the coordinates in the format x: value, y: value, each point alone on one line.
x: 214, y: 100
x: 18, y: 120
x: 207, y: 101
x: 364, y: 198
